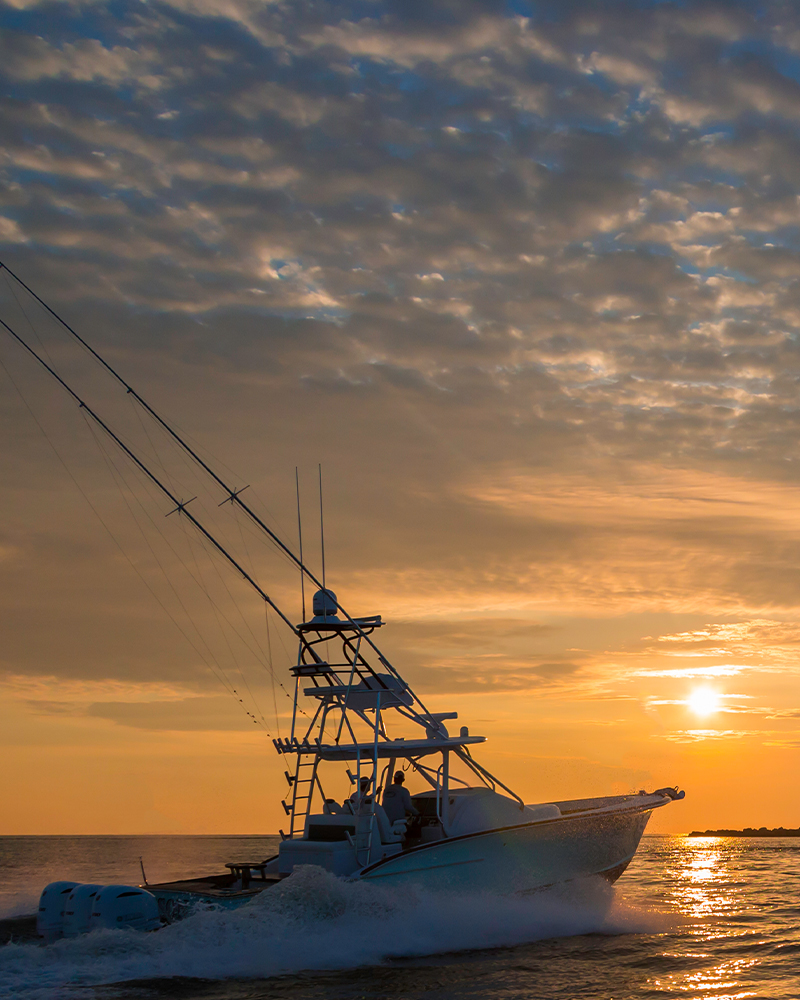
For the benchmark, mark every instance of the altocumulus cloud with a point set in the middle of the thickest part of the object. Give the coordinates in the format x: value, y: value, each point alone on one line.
x: 544, y: 240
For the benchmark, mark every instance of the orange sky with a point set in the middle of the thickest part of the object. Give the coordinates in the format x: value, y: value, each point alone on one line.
x: 526, y: 286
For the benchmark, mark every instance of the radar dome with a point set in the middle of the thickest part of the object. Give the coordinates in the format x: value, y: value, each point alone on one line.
x: 324, y: 604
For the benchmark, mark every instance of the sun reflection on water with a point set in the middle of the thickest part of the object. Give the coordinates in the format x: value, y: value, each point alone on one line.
x: 722, y: 982
x: 702, y: 882
x: 724, y: 947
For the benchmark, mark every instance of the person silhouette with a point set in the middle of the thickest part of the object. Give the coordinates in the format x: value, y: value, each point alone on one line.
x: 397, y: 800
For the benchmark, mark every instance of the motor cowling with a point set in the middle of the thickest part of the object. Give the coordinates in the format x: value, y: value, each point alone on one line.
x: 78, y: 909
x: 50, y: 915
x: 117, y: 906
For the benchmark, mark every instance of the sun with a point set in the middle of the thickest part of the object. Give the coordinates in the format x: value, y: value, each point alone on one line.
x: 703, y: 701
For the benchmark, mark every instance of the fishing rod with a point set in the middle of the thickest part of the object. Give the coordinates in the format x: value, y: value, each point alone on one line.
x: 233, y: 494
x: 180, y: 505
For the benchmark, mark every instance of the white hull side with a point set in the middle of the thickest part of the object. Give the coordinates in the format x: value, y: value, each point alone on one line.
x: 522, y: 858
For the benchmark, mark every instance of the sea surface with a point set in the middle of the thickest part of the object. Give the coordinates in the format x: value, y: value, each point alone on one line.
x: 691, y: 918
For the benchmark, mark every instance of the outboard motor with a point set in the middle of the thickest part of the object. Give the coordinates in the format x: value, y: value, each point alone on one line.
x: 78, y: 909
x: 125, y: 906
x: 52, y: 903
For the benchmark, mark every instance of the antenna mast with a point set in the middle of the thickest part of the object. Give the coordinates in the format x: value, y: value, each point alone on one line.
x: 322, y: 534
x: 300, y: 536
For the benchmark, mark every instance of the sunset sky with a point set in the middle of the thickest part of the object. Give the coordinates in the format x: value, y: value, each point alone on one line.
x: 524, y: 277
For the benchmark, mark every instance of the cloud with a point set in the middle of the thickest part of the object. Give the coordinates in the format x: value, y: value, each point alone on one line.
x: 188, y: 715
x: 774, y: 642
x: 528, y: 286
x: 31, y: 59
x: 621, y: 70
x: 10, y: 231
x: 703, y: 735
x: 689, y: 673
x: 78, y: 693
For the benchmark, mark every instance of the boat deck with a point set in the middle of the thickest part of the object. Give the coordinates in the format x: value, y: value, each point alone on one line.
x: 217, y: 886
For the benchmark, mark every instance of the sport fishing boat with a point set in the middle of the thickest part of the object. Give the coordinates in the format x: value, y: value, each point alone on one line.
x: 463, y: 832
x: 366, y: 729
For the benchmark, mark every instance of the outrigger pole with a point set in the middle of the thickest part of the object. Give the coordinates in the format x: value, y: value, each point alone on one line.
x: 180, y: 505
x: 233, y: 494
x: 360, y: 626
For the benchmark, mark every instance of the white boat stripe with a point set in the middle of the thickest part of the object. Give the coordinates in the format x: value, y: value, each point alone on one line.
x: 408, y: 871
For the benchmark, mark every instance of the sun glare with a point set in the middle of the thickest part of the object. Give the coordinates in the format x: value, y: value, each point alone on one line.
x: 703, y: 701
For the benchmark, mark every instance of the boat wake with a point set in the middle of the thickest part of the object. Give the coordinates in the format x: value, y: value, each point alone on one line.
x: 19, y: 904
x: 316, y: 921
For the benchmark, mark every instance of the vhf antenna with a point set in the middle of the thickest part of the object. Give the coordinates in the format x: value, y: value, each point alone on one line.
x: 300, y: 537
x: 322, y: 538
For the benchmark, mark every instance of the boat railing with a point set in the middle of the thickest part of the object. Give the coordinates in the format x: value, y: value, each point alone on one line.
x: 439, y: 791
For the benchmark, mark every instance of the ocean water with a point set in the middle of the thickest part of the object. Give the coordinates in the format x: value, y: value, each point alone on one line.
x: 691, y: 918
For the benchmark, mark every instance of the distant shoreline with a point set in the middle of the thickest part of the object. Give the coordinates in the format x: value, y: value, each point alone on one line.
x: 749, y: 831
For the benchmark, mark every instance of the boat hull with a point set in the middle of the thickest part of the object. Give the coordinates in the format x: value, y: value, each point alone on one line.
x: 522, y: 858
x: 589, y: 837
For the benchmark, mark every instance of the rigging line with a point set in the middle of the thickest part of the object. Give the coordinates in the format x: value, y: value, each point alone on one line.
x: 270, y: 663
x: 219, y: 673
x: 180, y: 506
x: 115, y: 471
x: 265, y: 659
x: 201, y: 449
x: 108, y: 530
x: 198, y: 579
x: 251, y: 564
x: 216, y: 672
x: 254, y: 532
x: 186, y: 466
x: 272, y: 672
x: 117, y: 475
x: 279, y: 527
x: 153, y: 448
x: 27, y: 319
x: 216, y: 610
x: 232, y: 494
x: 238, y: 520
x: 262, y: 658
